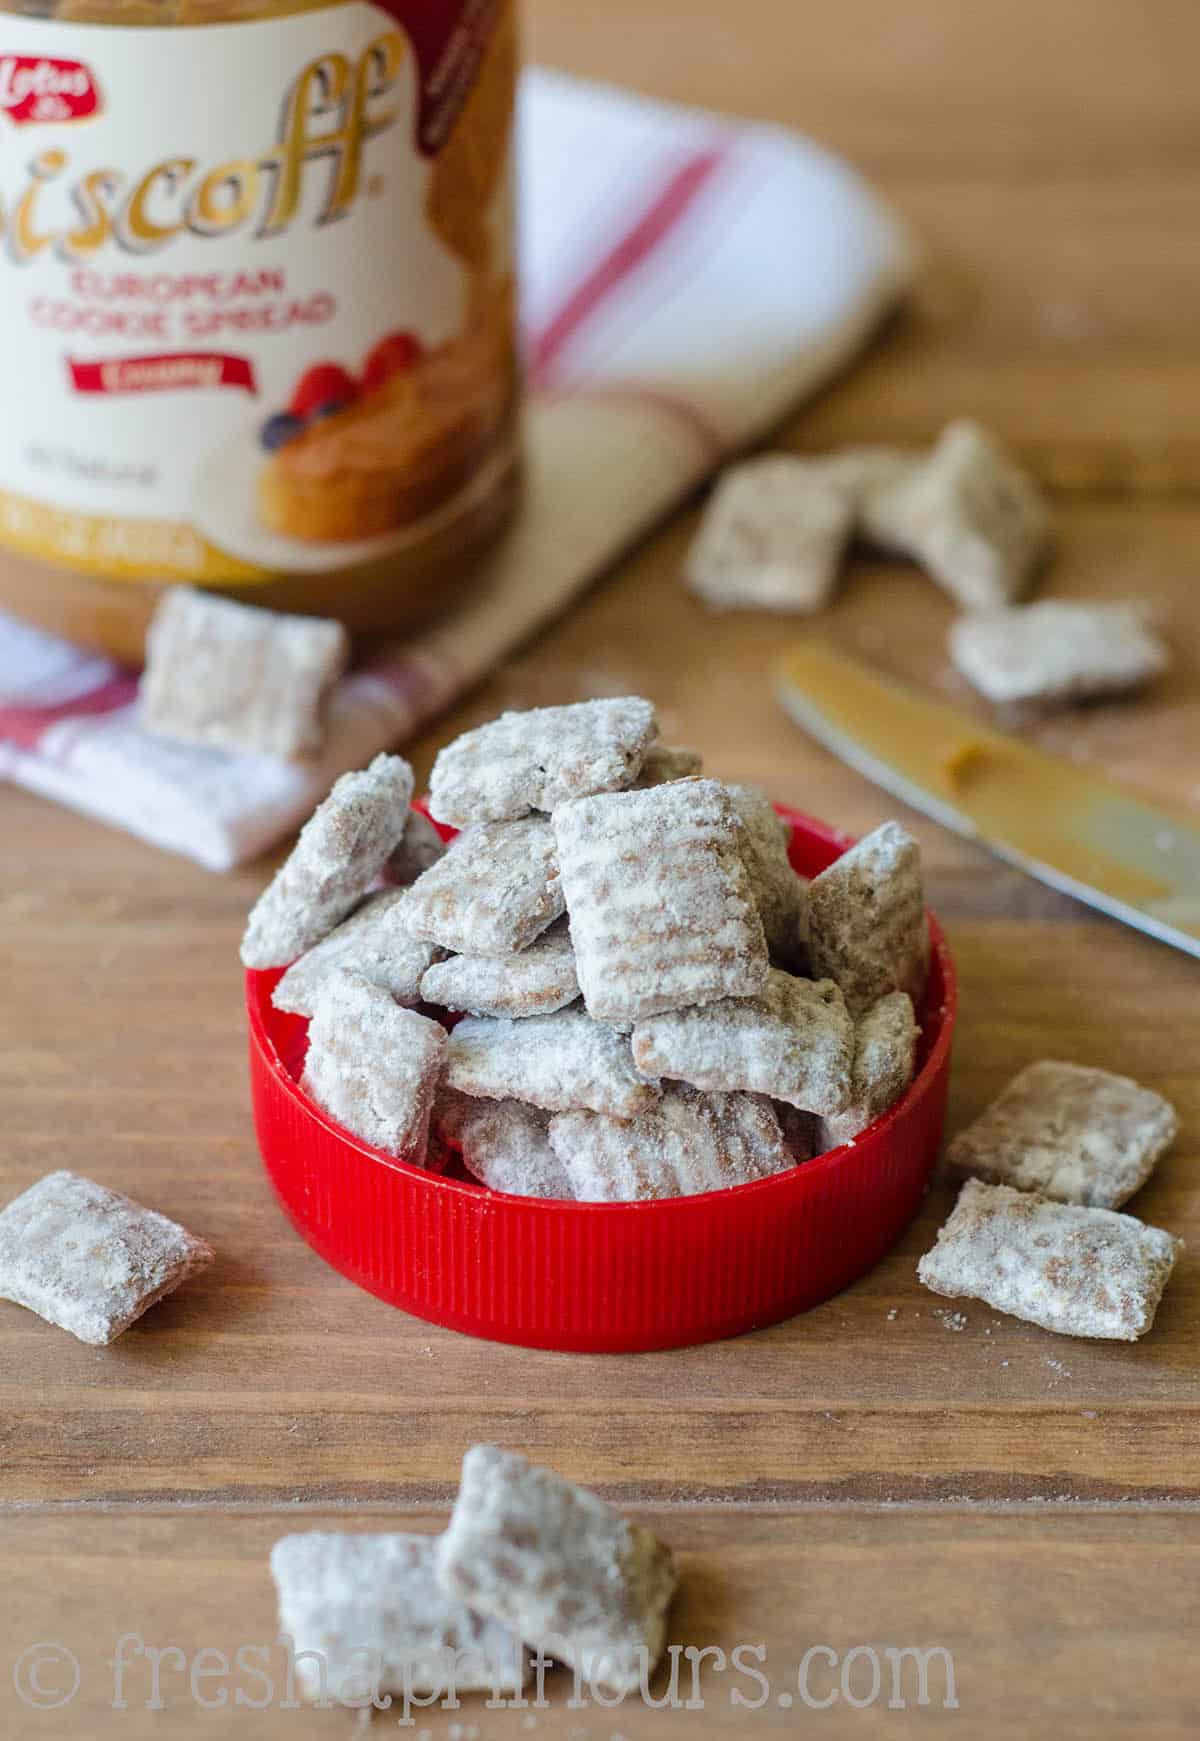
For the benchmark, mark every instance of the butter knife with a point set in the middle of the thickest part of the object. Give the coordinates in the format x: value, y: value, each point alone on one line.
x: 1082, y: 833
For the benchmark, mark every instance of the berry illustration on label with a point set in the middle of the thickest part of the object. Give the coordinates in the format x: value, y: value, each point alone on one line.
x: 327, y: 388
x: 391, y: 356
x: 280, y: 429
x: 323, y: 385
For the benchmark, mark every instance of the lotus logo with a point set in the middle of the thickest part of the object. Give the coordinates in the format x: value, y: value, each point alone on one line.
x: 36, y: 88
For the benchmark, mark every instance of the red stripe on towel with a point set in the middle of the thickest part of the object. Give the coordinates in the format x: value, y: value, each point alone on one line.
x: 664, y: 213
x: 26, y: 726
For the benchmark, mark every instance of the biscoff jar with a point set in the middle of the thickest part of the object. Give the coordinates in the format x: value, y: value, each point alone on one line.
x: 256, y: 305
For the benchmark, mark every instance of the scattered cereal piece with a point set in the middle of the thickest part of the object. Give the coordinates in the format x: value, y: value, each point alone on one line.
x: 504, y: 1144
x: 567, y: 1573
x: 559, y: 1062
x: 687, y: 1142
x: 866, y: 920
x: 89, y: 1259
x: 366, y: 1615
x: 341, y: 850
x: 422, y: 846
x: 772, y: 537
x: 970, y: 516
x: 218, y: 672
x: 1076, y: 1270
x: 661, y: 909
x: 864, y: 473
x: 793, y: 1042
x: 1057, y: 651
x: 1075, y: 1134
x: 667, y: 762
x: 779, y: 892
x: 538, y: 981
x: 372, y: 1065
x: 496, y: 889
x: 375, y: 942
x: 884, y: 1056
x: 538, y: 759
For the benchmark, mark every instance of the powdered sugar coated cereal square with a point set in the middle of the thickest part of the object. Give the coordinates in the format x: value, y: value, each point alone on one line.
x: 885, y: 1051
x: 772, y: 537
x: 867, y: 928
x: 1075, y: 1134
x: 421, y: 846
x: 779, y: 893
x: 685, y: 1143
x: 659, y: 898
x: 341, y: 850
x: 1075, y: 1270
x: 372, y: 1065
x: 538, y: 981
x: 567, y: 1573
x: 538, y: 759
x: 793, y: 1042
x: 1060, y: 650
x: 970, y: 516
x: 91, y: 1260
x: 496, y: 889
x: 366, y: 1616
x: 557, y: 1062
x: 864, y: 473
x: 667, y: 762
x: 237, y: 677
x: 504, y: 1144
x: 375, y: 942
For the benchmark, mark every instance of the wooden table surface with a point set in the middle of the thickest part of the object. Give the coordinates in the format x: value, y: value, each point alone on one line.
x: 871, y: 1474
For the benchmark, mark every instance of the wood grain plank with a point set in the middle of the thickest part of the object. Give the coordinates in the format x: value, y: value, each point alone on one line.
x: 1083, y: 1623
x: 1015, y: 91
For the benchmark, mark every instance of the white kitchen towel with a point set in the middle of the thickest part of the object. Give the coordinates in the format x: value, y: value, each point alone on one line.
x: 685, y: 280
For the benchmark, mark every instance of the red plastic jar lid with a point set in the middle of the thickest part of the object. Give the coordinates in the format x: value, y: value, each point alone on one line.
x: 601, y: 1277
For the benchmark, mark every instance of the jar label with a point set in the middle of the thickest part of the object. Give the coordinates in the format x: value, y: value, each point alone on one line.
x: 256, y: 297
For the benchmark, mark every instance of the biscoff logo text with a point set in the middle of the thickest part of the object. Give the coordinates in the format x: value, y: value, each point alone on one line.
x: 329, y: 112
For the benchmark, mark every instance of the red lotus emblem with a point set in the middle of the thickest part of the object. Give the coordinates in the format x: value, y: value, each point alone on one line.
x: 37, y: 88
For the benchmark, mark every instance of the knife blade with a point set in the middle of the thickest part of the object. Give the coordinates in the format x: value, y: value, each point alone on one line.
x: 1131, y: 857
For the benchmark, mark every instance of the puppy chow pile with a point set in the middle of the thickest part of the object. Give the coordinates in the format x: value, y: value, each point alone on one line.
x: 529, y: 1564
x: 651, y: 1002
x: 779, y: 526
